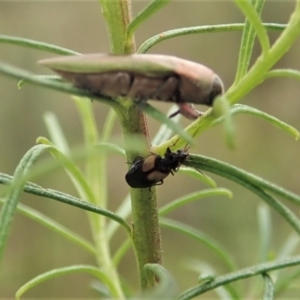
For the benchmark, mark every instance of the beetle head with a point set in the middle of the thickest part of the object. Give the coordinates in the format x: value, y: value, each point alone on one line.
x: 217, y: 89
x: 172, y: 160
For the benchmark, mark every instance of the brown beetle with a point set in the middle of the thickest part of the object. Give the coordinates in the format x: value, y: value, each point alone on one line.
x: 141, y: 77
x: 153, y: 169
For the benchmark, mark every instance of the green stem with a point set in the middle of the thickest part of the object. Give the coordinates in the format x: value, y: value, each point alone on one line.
x: 238, y: 275
x: 146, y: 232
x: 96, y: 175
x: 117, y: 16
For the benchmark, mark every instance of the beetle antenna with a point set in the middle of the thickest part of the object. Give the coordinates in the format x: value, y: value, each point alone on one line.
x: 174, y: 114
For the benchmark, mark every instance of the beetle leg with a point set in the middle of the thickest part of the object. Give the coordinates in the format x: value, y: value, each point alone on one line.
x: 112, y: 84
x: 187, y: 110
x: 135, y: 160
x: 167, y: 89
x: 140, y: 102
x: 143, y: 87
x: 159, y: 182
x: 169, y: 150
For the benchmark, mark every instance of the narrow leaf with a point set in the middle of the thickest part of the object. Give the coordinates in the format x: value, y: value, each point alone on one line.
x: 221, y: 108
x: 146, y: 13
x: 245, y: 180
x: 64, y: 271
x: 95, y: 167
x: 241, y: 108
x: 162, y: 118
x: 218, y: 249
x: 13, y: 195
x: 288, y: 248
x: 217, y: 167
x: 198, y: 175
x: 290, y: 73
x: 121, y: 251
x: 238, y: 275
x: 124, y: 210
x: 265, y: 230
x: 167, y: 208
x: 56, y: 133
x: 47, y: 77
x: 247, y: 43
x: 67, y: 199
x: 14, y: 40
x: 76, y: 175
x: 269, y: 288
x: 108, y: 125
x: 253, y: 17
x: 55, y: 226
x: 164, y: 132
x: 286, y: 282
x: 173, y: 33
x: 166, y: 288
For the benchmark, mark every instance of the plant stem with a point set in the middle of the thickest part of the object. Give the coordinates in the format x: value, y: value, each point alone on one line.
x: 117, y: 14
x: 238, y: 275
x: 146, y: 231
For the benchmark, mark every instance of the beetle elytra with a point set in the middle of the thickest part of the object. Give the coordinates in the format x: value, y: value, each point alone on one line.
x: 141, y: 77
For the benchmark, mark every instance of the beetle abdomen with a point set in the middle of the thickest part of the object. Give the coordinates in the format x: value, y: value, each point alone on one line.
x: 143, y: 172
x: 122, y: 84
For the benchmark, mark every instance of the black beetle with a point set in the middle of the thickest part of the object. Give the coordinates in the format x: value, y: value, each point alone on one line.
x: 151, y: 170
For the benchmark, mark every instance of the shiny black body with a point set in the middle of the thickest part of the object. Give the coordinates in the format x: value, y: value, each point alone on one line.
x: 172, y: 160
x: 151, y: 170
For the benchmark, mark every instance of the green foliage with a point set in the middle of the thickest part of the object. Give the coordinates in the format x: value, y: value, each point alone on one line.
x: 140, y: 204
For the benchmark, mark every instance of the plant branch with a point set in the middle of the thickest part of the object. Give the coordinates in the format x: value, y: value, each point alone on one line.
x: 241, y: 274
x: 216, y: 166
x: 158, y: 38
x: 37, y: 190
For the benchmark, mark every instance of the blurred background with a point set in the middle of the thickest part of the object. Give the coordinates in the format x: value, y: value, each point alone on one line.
x: 260, y: 148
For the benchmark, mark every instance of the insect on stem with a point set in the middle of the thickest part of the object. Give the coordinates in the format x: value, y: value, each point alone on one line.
x: 142, y: 77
